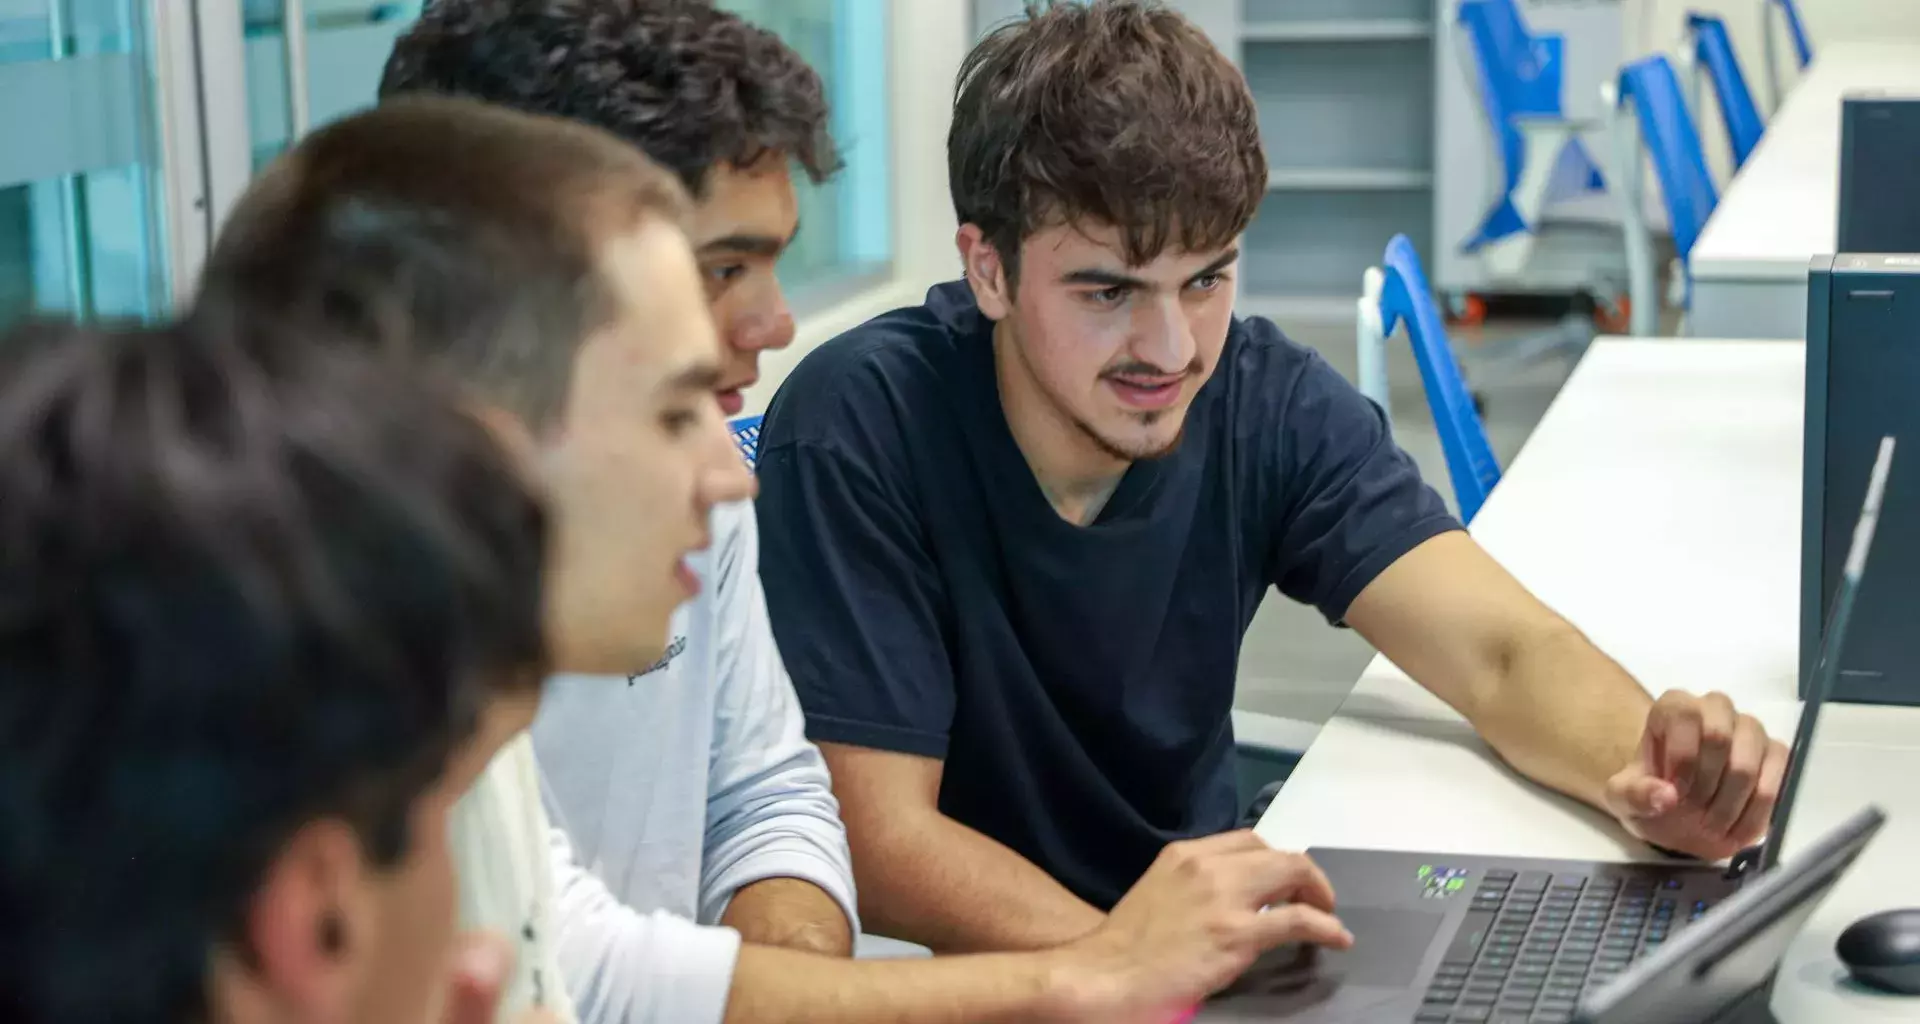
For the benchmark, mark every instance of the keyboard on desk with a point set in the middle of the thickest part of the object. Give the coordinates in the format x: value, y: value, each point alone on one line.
x: 1532, y: 941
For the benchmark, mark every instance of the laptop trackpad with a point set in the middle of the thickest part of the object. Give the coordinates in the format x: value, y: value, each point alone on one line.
x: 1389, y: 945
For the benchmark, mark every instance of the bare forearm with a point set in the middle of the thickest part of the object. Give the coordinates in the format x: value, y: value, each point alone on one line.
x: 934, y: 881
x: 793, y: 988
x: 792, y: 914
x: 1565, y: 714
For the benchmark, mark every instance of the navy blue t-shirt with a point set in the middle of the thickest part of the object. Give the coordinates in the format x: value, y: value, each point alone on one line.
x: 1076, y: 680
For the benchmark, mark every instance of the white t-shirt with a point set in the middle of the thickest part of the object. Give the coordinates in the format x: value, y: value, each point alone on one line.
x: 668, y: 792
x: 500, y: 848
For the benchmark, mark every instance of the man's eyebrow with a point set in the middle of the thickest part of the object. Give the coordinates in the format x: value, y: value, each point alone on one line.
x: 1096, y: 277
x: 1102, y: 278
x: 1224, y: 261
x: 750, y: 244
x: 699, y: 377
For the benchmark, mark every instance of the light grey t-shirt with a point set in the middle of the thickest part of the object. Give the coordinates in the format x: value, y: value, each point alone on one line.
x: 677, y: 787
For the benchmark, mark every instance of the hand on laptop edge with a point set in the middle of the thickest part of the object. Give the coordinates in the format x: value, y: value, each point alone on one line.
x: 1705, y: 779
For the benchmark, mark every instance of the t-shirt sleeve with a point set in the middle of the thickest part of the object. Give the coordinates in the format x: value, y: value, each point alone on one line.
x: 856, y: 602
x: 1345, y: 502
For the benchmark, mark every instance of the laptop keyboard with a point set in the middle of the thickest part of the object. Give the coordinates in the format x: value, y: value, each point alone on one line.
x: 1532, y: 942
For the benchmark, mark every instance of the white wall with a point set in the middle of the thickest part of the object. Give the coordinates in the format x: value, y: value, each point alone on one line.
x: 928, y: 38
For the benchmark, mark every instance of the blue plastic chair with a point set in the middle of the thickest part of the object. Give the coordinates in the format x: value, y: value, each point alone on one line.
x: 1652, y: 89
x: 1520, y: 82
x: 1796, y: 34
x: 1405, y: 297
x: 1796, y: 31
x: 746, y: 435
x: 1713, y: 48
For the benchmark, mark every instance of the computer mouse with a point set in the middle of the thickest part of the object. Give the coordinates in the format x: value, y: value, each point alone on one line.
x: 1883, y: 951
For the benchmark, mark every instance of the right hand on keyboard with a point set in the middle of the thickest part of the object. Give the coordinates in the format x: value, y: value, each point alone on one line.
x: 1194, y: 922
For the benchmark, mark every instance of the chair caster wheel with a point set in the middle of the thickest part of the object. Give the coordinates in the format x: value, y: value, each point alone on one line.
x: 1466, y: 309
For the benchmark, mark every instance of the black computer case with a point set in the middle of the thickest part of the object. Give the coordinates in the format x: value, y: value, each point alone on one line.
x: 1863, y: 382
x: 1879, y: 158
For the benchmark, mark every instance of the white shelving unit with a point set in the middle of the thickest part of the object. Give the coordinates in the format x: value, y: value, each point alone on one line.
x: 1336, y: 30
x: 1345, y: 94
x: 1357, y: 179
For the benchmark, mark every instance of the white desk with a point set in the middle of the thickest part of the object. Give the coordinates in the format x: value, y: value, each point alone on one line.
x: 1657, y: 506
x: 1782, y: 209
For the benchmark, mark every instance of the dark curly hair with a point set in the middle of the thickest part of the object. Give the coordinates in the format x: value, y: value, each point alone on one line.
x: 692, y: 86
x: 247, y: 583
x: 1118, y: 112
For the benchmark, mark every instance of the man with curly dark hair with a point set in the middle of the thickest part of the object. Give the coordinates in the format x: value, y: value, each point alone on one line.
x: 725, y: 815
x: 722, y: 103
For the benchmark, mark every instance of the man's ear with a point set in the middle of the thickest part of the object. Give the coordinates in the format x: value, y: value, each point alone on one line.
x: 986, y: 272
x: 307, y: 927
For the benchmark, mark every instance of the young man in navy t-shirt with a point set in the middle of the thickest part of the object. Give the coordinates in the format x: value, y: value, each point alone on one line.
x: 1014, y: 536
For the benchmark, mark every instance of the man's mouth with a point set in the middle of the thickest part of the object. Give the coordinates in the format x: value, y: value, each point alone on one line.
x: 1147, y: 392
x: 731, y: 402
x: 684, y: 575
x: 683, y: 568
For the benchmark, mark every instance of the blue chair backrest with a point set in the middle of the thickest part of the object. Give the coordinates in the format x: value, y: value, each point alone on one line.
x: 1714, y: 49
x: 1686, y: 186
x: 1519, y: 73
x: 746, y: 435
x: 1797, y: 31
x: 1500, y: 33
x: 1463, y: 438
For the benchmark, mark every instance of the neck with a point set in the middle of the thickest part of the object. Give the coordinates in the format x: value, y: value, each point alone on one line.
x: 234, y: 995
x: 1075, y: 473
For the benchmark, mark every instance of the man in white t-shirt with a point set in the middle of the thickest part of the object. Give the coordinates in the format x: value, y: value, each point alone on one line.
x: 544, y: 266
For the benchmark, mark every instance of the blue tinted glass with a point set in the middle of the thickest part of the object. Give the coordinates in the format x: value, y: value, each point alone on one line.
x: 80, y: 228
x: 849, y: 218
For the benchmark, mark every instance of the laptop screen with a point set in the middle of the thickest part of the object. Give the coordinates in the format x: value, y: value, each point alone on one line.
x: 1827, y: 666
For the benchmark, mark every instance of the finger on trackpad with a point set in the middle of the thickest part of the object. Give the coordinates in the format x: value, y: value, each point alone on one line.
x: 1388, y: 947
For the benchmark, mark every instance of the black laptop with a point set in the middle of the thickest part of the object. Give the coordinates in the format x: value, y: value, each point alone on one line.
x: 1442, y: 938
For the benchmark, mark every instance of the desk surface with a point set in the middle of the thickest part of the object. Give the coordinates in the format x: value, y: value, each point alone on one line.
x: 1782, y: 209
x: 1657, y: 506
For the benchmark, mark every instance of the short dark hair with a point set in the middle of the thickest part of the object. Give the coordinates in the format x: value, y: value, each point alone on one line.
x: 1117, y: 112
x: 470, y: 232
x: 243, y: 587
x: 691, y: 85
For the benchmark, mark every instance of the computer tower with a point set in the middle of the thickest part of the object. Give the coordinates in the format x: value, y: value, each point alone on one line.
x: 1863, y: 383
x: 1879, y: 155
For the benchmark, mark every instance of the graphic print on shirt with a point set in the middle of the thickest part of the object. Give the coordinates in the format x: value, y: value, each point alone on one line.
x: 528, y: 932
x: 674, y: 650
